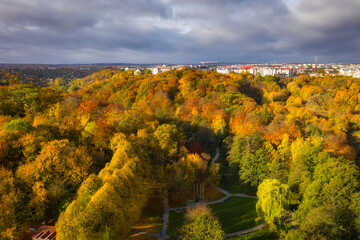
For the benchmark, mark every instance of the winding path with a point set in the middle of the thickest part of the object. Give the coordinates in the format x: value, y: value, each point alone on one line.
x: 216, y: 155
x: 167, y: 210
x: 245, y: 232
x: 226, y: 197
x: 165, y: 219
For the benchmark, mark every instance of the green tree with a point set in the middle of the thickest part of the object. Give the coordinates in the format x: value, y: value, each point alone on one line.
x: 253, y: 167
x: 9, y: 203
x: 19, y: 125
x: 274, y: 200
x: 327, y: 208
x: 242, y: 145
x: 305, y: 155
x: 201, y: 225
x: 247, y: 154
x: 319, y: 71
x: 109, y: 204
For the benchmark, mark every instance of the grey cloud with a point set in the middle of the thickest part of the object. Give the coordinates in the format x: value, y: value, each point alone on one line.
x: 178, y: 30
x: 326, y: 27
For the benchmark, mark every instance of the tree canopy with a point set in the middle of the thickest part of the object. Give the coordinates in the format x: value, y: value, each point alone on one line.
x: 87, y: 151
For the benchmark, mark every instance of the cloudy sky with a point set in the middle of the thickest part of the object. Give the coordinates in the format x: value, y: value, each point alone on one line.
x: 179, y: 31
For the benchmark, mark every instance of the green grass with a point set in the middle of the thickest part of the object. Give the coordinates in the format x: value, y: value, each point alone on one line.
x: 229, y: 213
x: 176, y: 221
x: 264, y: 234
x: 141, y: 237
x: 211, y: 194
x: 150, y: 220
x: 236, y: 214
x: 230, y: 182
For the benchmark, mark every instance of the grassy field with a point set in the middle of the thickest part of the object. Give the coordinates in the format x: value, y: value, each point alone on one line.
x: 176, y: 221
x: 136, y: 236
x: 236, y: 214
x: 264, y: 234
x: 230, y: 182
x: 150, y: 220
x: 210, y: 194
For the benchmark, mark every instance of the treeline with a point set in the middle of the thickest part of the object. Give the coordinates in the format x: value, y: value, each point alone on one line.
x: 305, y: 159
x: 57, y: 78
x: 110, y: 203
x: 92, y: 152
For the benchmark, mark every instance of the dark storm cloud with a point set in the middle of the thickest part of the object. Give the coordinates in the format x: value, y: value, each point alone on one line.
x: 178, y: 30
x: 326, y: 26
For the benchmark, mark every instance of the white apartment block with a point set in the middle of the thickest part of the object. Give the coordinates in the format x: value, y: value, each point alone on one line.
x: 263, y: 71
x: 223, y: 70
x: 350, y: 72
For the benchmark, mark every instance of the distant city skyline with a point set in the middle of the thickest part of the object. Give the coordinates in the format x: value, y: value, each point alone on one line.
x: 179, y: 31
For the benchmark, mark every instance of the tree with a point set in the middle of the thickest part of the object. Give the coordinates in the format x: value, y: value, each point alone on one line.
x: 188, y: 83
x: 23, y: 99
x: 327, y: 206
x: 280, y: 159
x: 54, y: 176
x: 219, y: 123
x: 161, y: 105
x: 31, y: 145
x: 248, y: 156
x: 9, y: 202
x: 243, y: 144
x: 19, y: 125
x: 304, y: 155
x: 253, y: 167
x: 4, y: 149
x: 201, y: 225
x: 169, y: 139
x: 188, y: 171
x: 109, y: 204
x: 274, y: 200
x: 320, y: 70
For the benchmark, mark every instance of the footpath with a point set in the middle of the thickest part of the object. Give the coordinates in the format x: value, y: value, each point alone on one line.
x: 167, y: 210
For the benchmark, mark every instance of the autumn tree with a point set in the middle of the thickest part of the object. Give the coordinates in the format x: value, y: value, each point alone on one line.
x: 115, y: 196
x: 201, y: 224
x: 169, y: 139
x: 9, y: 202
x: 54, y: 176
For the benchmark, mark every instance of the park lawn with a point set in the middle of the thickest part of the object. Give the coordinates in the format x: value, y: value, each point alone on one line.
x: 176, y: 221
x: 136, y: 236
x: 229, y: 213
x: 230, y: 182
x: 236, y: 214
x: 264, y: 234
x: 210, y: 194
x: 150, y: 220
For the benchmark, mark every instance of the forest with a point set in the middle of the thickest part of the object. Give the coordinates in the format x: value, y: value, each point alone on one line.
x: 92, y: 151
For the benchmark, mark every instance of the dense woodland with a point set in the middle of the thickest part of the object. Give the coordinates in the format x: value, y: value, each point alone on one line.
x: 89, y: 152
x: 57, y: 76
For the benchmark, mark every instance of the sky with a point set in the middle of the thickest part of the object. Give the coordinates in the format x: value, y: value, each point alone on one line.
x: 179, y: 31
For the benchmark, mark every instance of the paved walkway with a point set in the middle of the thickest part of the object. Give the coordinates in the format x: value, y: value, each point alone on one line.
x: 245, y: 232
x: 216, y: 155
x: 145, y: 233
x: 167, y: 210
x: 165, y: 219
x: 232, y: 194
x: 225, y: 198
